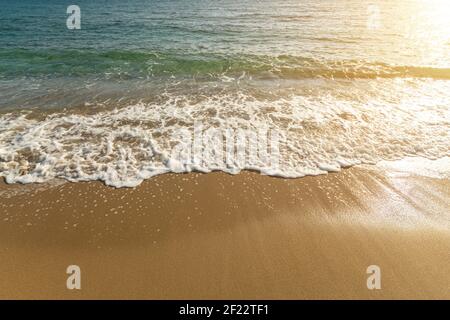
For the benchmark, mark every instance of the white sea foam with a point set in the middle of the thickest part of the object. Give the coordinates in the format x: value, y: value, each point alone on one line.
x: 122, y: 147
x: 439, y: 168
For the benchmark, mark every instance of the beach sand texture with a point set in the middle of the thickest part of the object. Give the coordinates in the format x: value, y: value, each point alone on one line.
x: 219, y: 236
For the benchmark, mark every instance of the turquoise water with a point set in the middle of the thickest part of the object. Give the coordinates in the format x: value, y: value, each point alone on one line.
x: 252, y: 40
x: 346, y: 83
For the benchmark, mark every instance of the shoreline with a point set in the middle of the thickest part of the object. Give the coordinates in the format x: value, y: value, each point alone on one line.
x: 221, y: 236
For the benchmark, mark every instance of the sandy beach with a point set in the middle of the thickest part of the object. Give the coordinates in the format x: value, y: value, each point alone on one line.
x: 225, y: 149
x: 219, y: 236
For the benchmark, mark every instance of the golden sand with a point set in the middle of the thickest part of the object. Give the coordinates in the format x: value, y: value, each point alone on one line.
x: 218, y: 236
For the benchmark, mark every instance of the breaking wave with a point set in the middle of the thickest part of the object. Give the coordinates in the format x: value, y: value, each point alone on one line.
x: 319, y: 134
x: 133, y: 64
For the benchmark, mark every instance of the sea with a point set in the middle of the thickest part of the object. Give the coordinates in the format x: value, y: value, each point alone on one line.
x: 121, y: 91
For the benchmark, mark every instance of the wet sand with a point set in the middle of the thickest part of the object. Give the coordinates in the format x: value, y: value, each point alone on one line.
x: 218, y: 236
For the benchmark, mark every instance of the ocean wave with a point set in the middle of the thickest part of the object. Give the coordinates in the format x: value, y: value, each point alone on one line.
x: 135, y: 64
x: 125, y: 146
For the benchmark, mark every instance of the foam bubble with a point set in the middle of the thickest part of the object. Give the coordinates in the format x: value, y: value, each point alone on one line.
x: 320, y: 134
x: 438, y: 168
